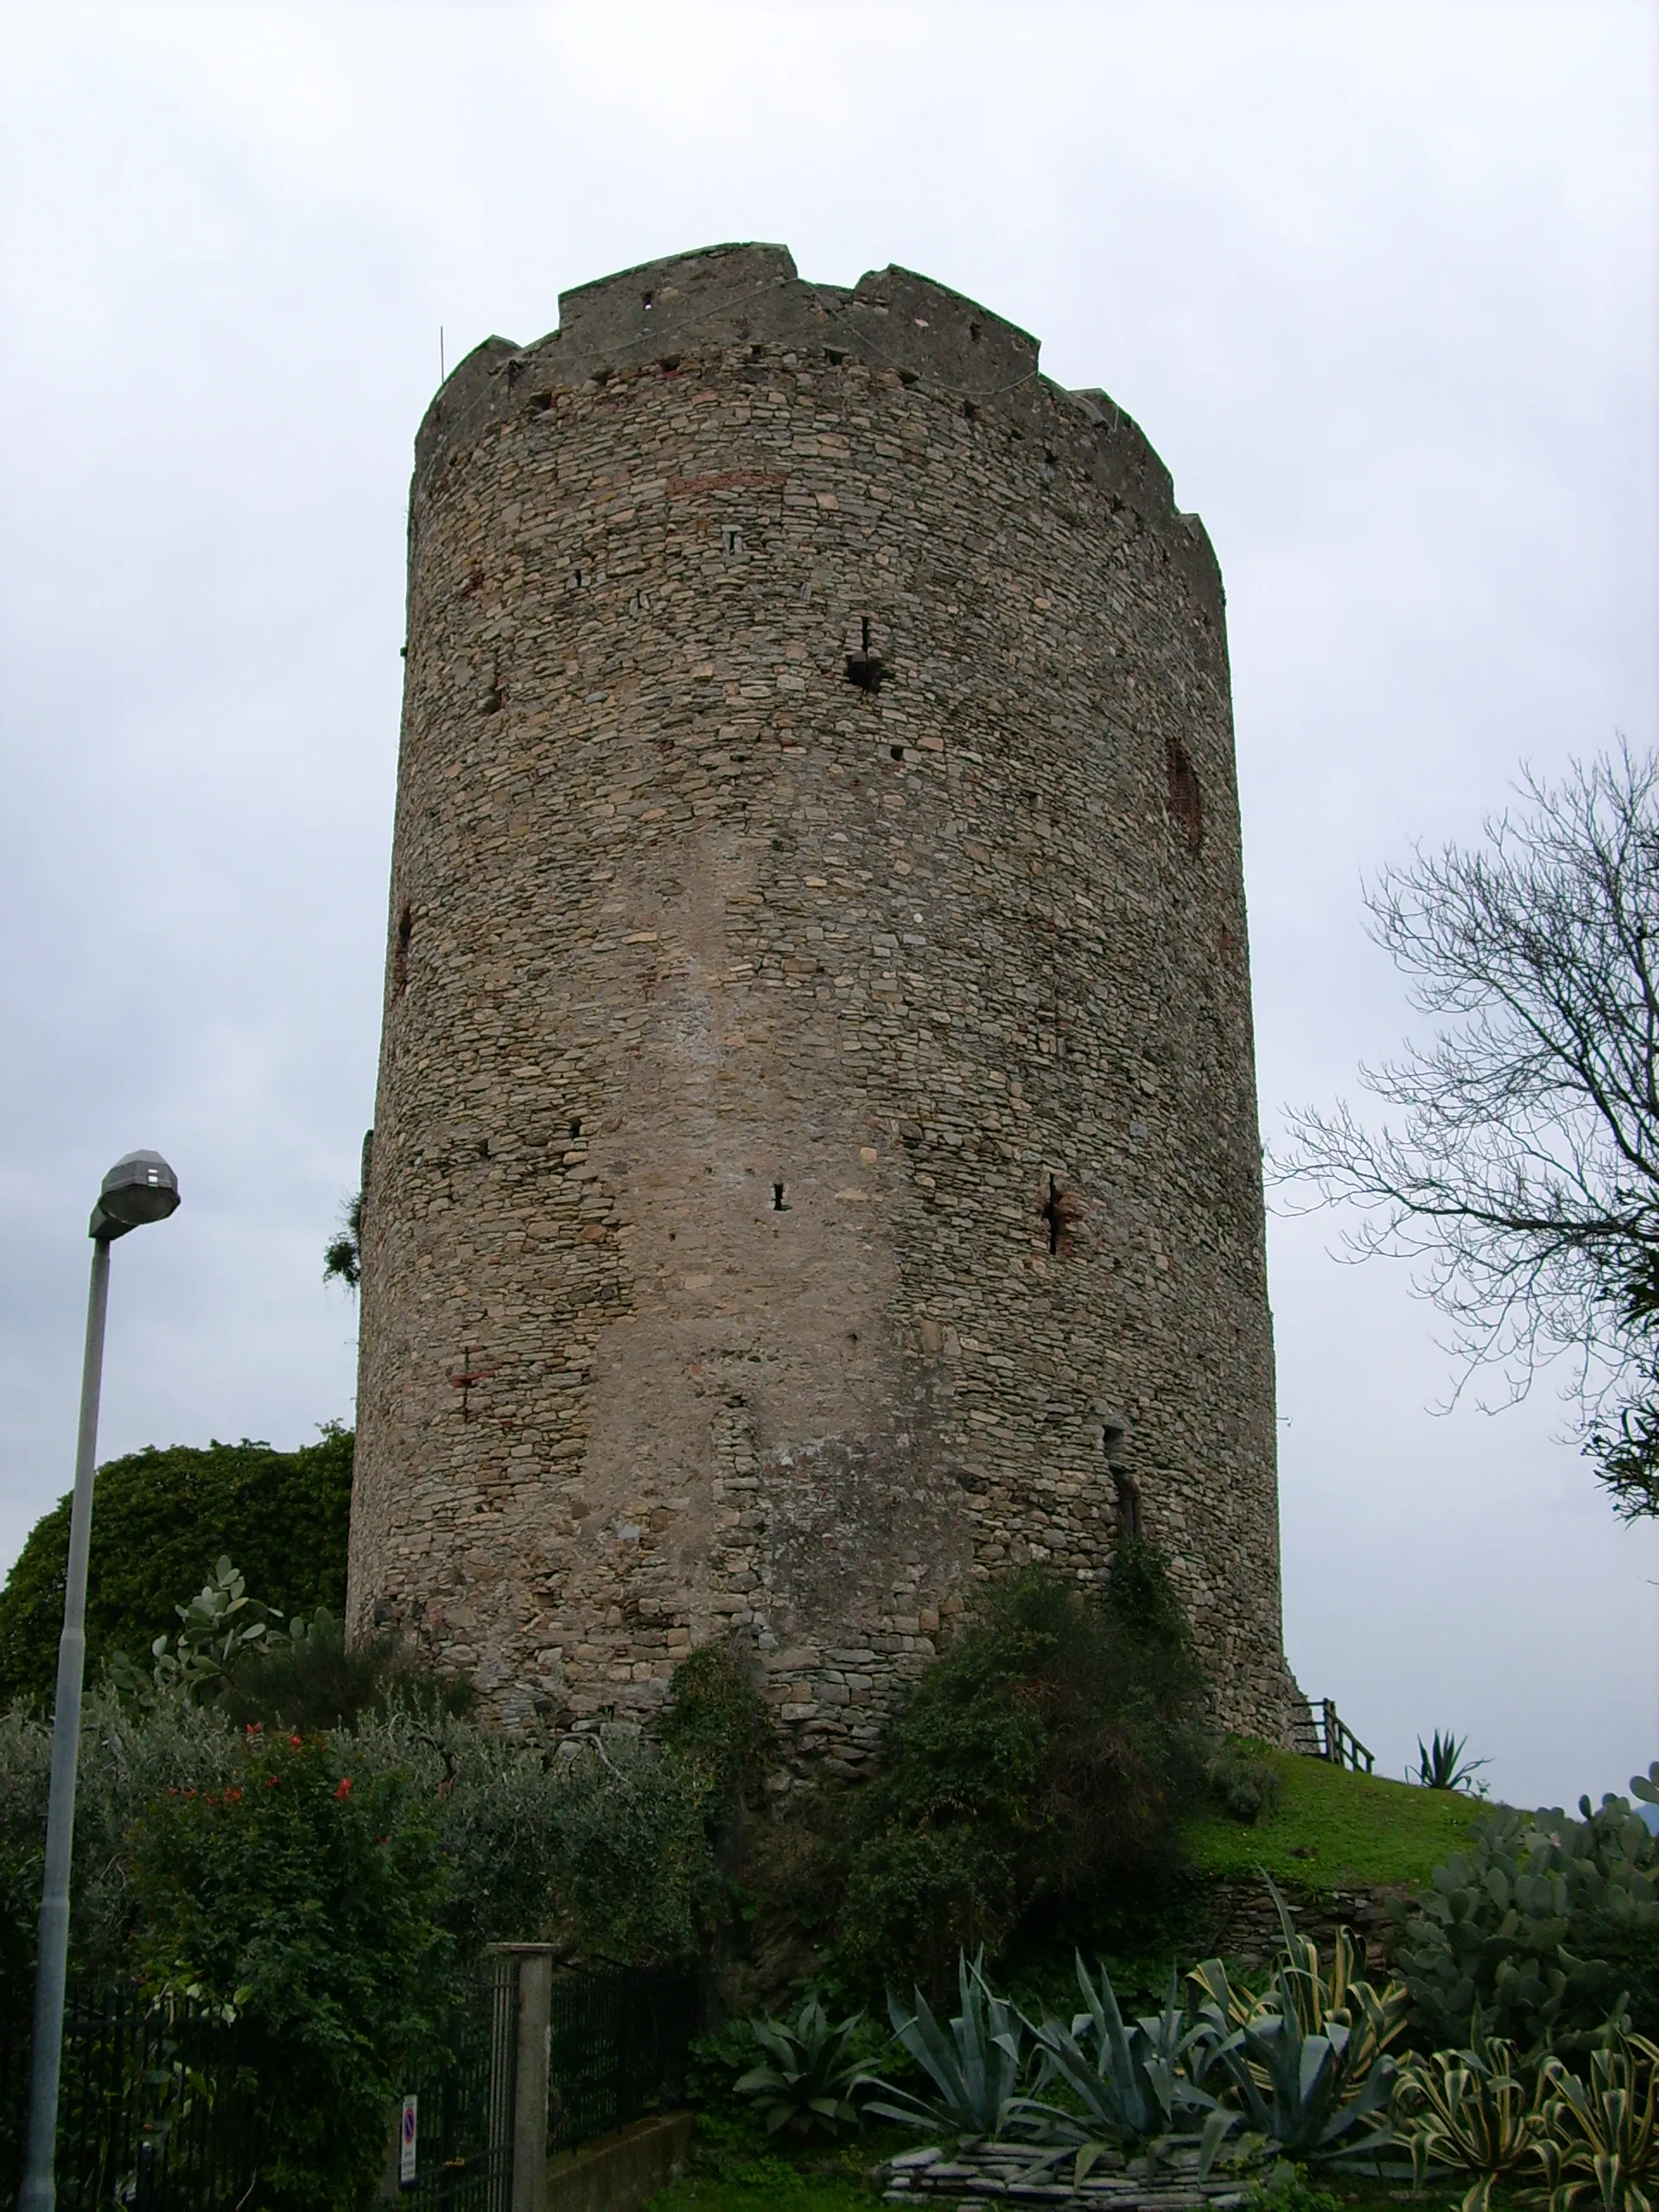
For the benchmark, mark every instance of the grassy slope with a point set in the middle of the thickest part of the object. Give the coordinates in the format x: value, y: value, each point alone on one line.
x: 1335, y: 1830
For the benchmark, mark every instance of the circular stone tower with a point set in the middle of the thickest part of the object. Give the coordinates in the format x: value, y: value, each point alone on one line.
x: 815, y: 1162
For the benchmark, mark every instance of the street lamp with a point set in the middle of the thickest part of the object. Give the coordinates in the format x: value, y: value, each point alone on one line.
x: 140, y: 1188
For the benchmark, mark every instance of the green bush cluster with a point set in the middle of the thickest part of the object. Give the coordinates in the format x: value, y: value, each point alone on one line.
x: 307, y: 1898
x: 1042, y: 1763
x: 1545, y: 1923
x: 162, y: 1517
x: 1303, y: 2074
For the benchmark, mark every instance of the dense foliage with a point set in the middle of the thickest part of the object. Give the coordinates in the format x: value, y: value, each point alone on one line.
x: 307, y: 1898
x: 162, y: 1517
x: 1545, y: 1922
x: 1042, y: 1763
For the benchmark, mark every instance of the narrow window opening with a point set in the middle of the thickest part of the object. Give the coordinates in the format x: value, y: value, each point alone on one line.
x: 1058, y: 1214
x: 777, y: 1204
x: 575, y: 1126
x: 970, y: 413
x: 400, y: 952
x: 973, y: 333
x: 1128, y: 1505
x: 864, y: 667
x: 734, y: 540
x: 834, y: 355
x: 540, y: 402
x: 646, y: 301
x: 896, y: 751
x: 757, y: 353
x: 1186, y: 801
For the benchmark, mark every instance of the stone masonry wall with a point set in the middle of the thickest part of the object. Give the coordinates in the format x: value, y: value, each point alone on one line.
x: 816, y: 1159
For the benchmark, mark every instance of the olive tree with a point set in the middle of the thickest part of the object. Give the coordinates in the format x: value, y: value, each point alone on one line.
x: 1520, y: 1169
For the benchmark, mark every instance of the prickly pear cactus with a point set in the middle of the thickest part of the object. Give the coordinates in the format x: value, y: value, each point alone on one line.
x: 1547, y: 1924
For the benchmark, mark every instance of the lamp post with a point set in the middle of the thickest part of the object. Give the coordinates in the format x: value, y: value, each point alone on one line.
x: 140, y: 1188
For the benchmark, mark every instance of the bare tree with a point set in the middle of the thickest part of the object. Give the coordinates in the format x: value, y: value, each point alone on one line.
x: 1522, y: 1173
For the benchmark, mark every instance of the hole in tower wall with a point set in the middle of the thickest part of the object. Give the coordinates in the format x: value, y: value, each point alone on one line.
x: 970, y: 412
x: 400, y: 952
x: 865, y: 668
x: 1186, y: 801
x: 778, y: 1204
x: 645, y: 299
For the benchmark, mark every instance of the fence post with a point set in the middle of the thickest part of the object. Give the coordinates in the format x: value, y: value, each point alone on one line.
x: 535, y: 1972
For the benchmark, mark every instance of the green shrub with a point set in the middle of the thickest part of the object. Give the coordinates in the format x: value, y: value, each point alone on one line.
x: 1041, y: 1763
x: 1543, y: 1924
x: 315, y: 1680
x: 718, y: 1724
x: 162, y: 1518
x: 1242, y: 1780
x: 307, y: 1897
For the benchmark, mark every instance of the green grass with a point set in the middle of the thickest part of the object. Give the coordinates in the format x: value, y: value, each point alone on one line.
x: 1336, y: 1830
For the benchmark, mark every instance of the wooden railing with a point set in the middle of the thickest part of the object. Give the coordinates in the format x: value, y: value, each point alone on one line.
x: 1337, y: 1741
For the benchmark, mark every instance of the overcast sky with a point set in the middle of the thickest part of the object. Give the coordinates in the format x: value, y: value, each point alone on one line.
x: 1378, y: 282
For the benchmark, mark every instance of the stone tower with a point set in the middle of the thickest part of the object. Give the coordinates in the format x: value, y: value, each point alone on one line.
x: 815, y: 1159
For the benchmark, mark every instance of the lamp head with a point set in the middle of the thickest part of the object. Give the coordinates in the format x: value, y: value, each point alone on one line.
x: 140, y: 1188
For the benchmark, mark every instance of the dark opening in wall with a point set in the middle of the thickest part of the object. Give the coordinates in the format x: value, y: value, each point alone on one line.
x: 400, y: 952
x: 970, y: 413
x: 1186, y: 801
x: 645, y: 300
x: 1128, y: 1505
x: 865, y: 668
x: 896, y: 751
x: 1058, y: 1215
x: 778, y: 1206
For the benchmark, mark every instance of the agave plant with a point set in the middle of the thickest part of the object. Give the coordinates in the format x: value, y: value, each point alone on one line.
x: 1137, y: 2083
x: 1600, y: 2144
x: 977, y: 2069
x: 1299, y: 2088
x: 1374, y: 2017
x: 1471, y: 2111
x: 805, y: 2086
x: 1442, y: 1765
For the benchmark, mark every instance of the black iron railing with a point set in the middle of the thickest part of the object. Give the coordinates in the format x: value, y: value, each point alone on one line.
x: 464, y: 2105
x: 618, y: 2047
x: 158, y: 2107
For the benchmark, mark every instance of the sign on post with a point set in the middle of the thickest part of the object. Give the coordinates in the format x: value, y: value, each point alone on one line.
x: 408, y: 2144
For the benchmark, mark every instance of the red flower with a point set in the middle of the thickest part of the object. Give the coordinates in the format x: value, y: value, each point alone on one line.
x: 271, y: 1782
x: 295, y: 1741
x: 254, y: 1728
x: 344, y: 1788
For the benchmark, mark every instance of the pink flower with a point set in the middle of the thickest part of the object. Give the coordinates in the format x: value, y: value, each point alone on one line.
x: 344, y: 1788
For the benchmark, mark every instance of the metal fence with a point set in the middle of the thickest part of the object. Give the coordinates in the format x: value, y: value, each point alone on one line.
x: 462, y: 2121
x: 157, y: 2110
x: 618, y: 2046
